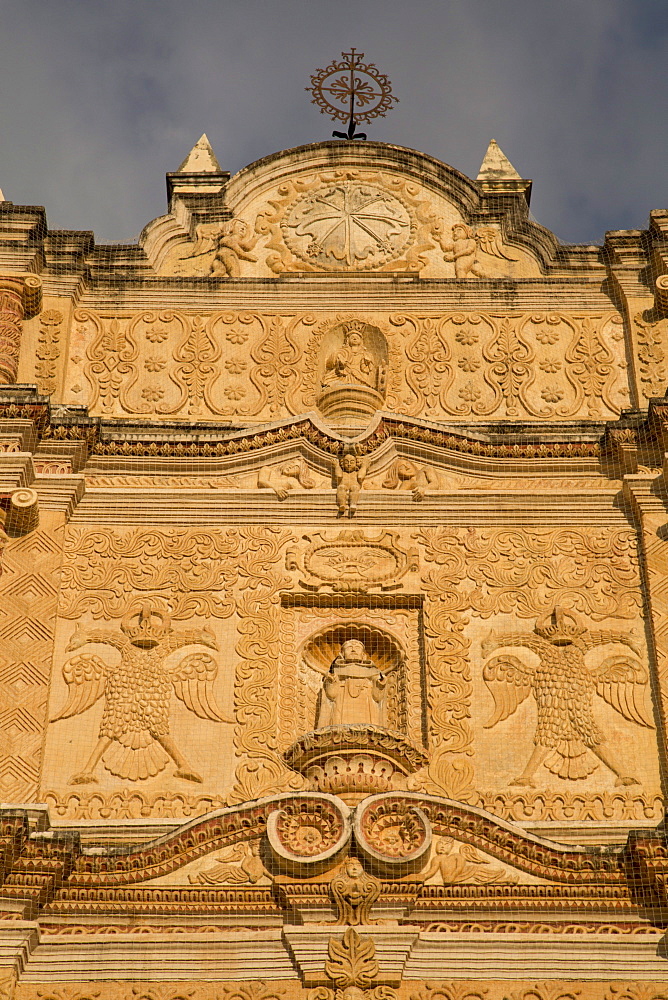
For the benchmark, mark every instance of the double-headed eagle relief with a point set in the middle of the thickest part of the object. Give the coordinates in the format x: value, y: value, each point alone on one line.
x: 134, y: 739
x: 567, y: 738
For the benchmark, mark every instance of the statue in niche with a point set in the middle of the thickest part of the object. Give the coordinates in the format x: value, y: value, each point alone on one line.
x: 567, y: 740
x: 349, y: 475
x: 406, y: 475
x: 134, y: 740
x: 352, y: 363
x: 353, y: 691
x: 354, y: 894
x: 284, y: 478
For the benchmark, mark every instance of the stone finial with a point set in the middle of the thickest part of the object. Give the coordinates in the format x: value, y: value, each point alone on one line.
x: 497, y: 175
x: 496, y: 166
x: 201, y: 159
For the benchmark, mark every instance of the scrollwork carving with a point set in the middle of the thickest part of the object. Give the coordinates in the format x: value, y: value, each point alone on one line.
x: 48, y: 351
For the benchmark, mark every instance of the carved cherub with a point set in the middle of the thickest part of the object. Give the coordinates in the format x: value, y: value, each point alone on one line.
x: 457, y: 863
x: 134, y: 739
x: 236, y: 865
x: 406, y: 475
x: 349, y: 475
x: 564, y: 687
x: 354, y: 893
x: 466, y: 244
x: 283, y: 478
x: 229, y: 241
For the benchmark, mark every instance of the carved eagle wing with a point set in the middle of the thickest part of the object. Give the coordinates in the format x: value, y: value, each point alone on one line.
x: 86, y: 676
x: 192, y: 679
x: 622, y: 682
x: 509, y: 681
x: 489, y: 242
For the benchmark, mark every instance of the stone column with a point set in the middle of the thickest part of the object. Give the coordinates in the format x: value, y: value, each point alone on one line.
x: 19, y: 297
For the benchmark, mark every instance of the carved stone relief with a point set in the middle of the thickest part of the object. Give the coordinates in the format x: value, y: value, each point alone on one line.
x: 453, y: 863
x: 567, y: 739
x: 28, y: 591
x: 545, y: 366
x: 352, y: 561
x: 134, y: 739
x: 312, y: 640
x: 182, y: 575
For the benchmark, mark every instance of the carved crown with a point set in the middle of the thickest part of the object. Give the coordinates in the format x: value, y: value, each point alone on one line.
x: 147, y: 626
x: 559, y: 627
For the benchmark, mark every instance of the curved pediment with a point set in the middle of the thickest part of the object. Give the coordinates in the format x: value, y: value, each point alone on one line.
x: 333, y: 208
x: 315, y: 830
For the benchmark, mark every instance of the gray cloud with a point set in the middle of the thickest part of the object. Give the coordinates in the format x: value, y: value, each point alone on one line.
x: 100, y: 99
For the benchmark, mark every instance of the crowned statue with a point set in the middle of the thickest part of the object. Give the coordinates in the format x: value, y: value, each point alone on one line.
x: 353, y: 690
x: 351, y: 363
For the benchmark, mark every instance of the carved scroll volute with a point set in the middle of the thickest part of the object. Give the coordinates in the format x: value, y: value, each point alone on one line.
x: 393, y: 835
x: 309, y: 834
x: 19, y: 297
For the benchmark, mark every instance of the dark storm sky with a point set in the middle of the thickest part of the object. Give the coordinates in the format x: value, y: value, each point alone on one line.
x: 99, y: 98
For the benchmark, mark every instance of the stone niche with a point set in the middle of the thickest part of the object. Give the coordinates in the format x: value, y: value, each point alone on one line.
x: 352, y: 373
x: 360, y: 711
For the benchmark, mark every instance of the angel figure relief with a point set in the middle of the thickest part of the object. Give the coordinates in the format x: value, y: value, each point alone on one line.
x: 226, y: 244
x: 466, y: 245
x: 567, y: 738
x: 134, y: 739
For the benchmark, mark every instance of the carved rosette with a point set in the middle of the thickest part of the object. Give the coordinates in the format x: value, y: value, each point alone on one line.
x: 308, y: 832
x: 354, y: 761
x: 392, y: 833
x: 19, y: 297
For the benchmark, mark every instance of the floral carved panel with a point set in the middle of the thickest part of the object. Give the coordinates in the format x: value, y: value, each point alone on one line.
x: 540, y: 366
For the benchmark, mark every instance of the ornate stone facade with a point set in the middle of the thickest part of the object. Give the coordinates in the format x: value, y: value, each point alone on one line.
x: 334, y: 625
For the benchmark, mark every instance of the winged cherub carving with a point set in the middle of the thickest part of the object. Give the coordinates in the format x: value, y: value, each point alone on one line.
x: 227, y: 243
x: 466, y: 245
x: 134, y: 739
x: 564, y: 687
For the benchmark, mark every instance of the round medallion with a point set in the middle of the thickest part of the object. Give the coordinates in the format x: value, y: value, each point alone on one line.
x: 348, y: 225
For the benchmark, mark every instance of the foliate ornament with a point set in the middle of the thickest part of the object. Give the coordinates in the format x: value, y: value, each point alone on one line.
x: 652, y: 355
x: 392, y: 833
x: 451, y: 991
x: 259, y: 990
x: 636, y: 991
x: 347, y: 220
x: 352, y: 561
x: 308, y: 832
x: 351, y: 961
x: 48, y: 351
x: 134, y: 738
x: 567, y: 739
